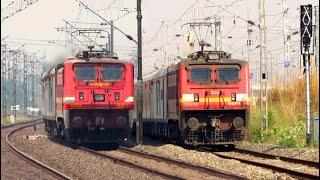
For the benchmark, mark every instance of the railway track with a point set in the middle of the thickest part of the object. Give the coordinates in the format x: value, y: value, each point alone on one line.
x: 26, y: 157
x: 254, y: 155
x: 130, y: 164
x: 203, y: 169
x: 282, y: 158
x: 208, y: 171
x: 20, y: 123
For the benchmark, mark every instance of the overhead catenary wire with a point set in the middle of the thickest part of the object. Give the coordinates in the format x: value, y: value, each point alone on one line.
x: 122, y: 32
x: 246, y: 20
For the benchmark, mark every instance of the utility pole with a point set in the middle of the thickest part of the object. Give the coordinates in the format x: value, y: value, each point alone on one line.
x: 249, y: 49
x: 306, y: 35
x: 286, y: 38
x: 3, y: 82
x: 32, y: 82
x: 111, y: 39
x: 217, y: 34
x: 263, y: 66
x: 108, y: 45
x: 139, y: 125
x: 14, y: 81
x: 25, y: 83
x: 316, y: 40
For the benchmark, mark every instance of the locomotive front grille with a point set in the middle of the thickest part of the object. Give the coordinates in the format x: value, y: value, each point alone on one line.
x: 215, y: 137
x: 108, y: 135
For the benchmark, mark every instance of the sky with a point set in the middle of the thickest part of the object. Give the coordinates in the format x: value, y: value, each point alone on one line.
x: 162, y: 21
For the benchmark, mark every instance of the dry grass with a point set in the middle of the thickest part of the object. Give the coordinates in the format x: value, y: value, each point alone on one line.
x: 286, y: 112
x: 291, y: 101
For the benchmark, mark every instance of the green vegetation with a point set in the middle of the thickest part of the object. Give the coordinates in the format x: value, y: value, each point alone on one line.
x: 286, y: 115
x: 6, y: 120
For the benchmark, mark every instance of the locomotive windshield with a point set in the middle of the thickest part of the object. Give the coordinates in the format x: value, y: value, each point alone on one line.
x: 112, y: 73
x: 200, y: 75
x: 85, y: 73
x: 228, y: 74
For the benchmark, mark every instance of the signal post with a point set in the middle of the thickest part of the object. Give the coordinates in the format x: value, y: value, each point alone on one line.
x: 306, y: 34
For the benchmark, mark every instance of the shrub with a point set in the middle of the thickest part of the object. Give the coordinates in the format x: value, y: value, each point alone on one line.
x: 286, y: 115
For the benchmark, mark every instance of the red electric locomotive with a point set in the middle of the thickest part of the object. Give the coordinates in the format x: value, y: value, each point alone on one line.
x: 88, y: 98
x: 202, y: 100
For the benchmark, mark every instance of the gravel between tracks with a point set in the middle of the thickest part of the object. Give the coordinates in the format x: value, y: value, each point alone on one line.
x: 74, y: 163
x: 163, y: 166
x: 209, y: 159
x: 80, y: 165
x: 311, y: 154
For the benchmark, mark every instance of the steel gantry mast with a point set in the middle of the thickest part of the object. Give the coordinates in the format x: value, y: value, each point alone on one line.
x: 3, y: 83
x: 139, y: 135
x: 263, y: 65
x: 316, y: 40
x: 14, y: 84
x: 217, y: 34
x: 286, y: 41
x: 249, y: 49
x: 25, y: 83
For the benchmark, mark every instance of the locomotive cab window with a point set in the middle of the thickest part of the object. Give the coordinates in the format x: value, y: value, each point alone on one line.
x: 85, y: 73
x: 228, y: 74
x: 112, y: 73
x: 200, y: 75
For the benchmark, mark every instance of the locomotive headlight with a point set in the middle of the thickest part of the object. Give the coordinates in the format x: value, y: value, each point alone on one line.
x: 238, y: 122
x: 68, y: 99
x: 99, y: 97
x: 129, y: 99
x: 77, y: 121
x: 242, y: 97
x: 121, y: 122
x: 213, y: 56
x: 193, y: 123
x: 187, y: 98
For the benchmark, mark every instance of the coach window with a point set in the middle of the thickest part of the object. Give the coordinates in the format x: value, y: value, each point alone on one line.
x: 85, y: 73
x: 228, y: 74
x: 112, y: 73
x: 200, y: 75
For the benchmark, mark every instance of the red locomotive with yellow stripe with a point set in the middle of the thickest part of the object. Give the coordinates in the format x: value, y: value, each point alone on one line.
x: 202, y: 100
x: 88, y: 98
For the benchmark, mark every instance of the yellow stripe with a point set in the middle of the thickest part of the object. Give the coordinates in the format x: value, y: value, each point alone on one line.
x: 211, y: 100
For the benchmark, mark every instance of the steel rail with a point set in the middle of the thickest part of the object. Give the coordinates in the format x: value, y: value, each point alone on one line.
x: 130, y: 164
x: 269, y: 166
x: 282, y: 158
x: 214, y: 172
x: 20, y: 123
x: 27, y: 157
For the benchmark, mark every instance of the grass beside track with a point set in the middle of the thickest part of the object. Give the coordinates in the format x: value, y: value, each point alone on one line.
x: 286, y: 114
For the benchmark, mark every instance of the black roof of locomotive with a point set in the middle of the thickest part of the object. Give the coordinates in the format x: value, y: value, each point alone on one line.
x: 217, y: 62
x: 201, y: 57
